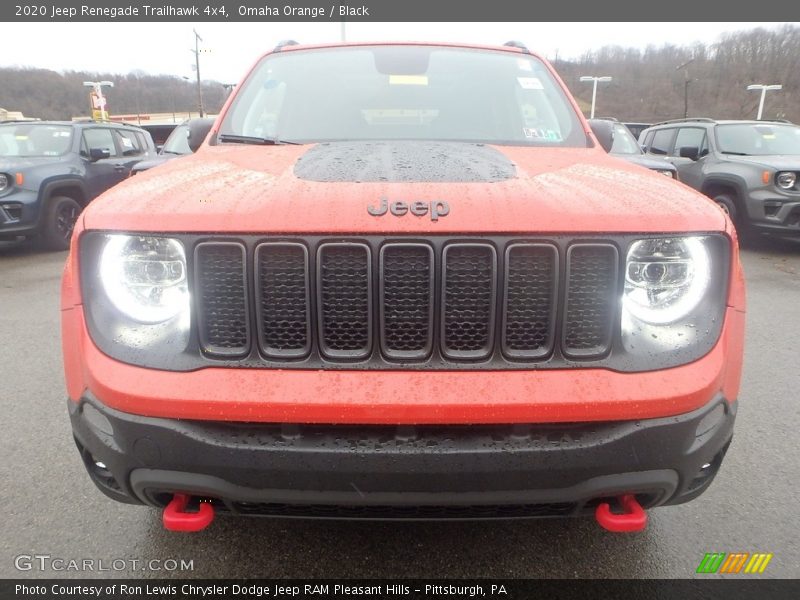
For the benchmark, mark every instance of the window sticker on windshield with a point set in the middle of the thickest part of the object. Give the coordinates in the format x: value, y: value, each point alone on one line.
x: 408, y: 80
x: 126, y: 142
x: 20, y: 137
x: 549, y: 135
x: 530, y: 83
x: 524, y: 65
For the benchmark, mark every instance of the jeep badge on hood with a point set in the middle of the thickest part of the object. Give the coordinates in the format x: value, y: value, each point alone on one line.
x: 436, y: 209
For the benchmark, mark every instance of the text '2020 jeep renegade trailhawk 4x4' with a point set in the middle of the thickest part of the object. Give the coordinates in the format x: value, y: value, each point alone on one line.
x: 402, y: 281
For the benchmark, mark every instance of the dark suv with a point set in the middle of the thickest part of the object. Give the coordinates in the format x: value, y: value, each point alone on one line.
x: 749, y: 168
x: 50, y: 170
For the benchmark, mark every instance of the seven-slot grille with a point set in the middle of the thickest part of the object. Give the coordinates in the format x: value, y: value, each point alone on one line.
x: 399, y: 302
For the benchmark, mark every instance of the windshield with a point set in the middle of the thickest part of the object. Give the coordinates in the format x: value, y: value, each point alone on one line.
x: 178, y: 141
x: 27, y: 139
x: 748, y: 139
x: 624, y: 142
x: 403, y: 92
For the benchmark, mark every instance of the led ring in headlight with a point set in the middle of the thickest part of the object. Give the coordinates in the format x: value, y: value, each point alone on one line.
x: 145, y: 277
x: 666, y: 278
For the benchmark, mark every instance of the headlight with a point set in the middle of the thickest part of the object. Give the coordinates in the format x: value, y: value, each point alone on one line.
x: 136, y: 297
x: 665, y: 279
x: 3, y: 182
x: 668, y: 173
x: 673, y: 300
x: 785, y: 180
x: 145, y: 277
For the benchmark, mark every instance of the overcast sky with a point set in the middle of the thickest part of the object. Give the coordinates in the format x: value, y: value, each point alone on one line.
x: 164, y: 48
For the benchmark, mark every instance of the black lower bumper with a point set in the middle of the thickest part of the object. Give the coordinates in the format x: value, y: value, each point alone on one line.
x: 438, y: 472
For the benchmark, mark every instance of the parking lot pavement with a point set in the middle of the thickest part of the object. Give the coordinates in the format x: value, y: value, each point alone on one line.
x: 50, y: 506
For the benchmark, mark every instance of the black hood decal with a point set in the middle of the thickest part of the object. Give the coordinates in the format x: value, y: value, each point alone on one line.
x: 404, y: 161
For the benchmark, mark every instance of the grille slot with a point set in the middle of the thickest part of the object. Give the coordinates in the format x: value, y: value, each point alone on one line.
x: 591, y: 299
x: 221, y: 292
x: 282, y: 301
x: 531, y: 283
x: 344, y: 289
x: 406, y: 293
x: 469, y: 284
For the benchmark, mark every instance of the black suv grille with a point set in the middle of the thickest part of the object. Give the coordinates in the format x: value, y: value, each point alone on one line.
x: 437, y: 303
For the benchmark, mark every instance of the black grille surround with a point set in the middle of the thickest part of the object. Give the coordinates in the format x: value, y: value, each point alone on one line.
x: 441, y: 302
x: 527, y: 311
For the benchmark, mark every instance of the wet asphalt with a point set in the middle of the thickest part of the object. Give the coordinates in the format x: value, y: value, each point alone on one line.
x: 50, y: 507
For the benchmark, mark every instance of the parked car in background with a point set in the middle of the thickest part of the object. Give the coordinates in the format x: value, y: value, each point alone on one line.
x: 50, y: 170
x: 179, y: 143
x: 625, y: 146
x: 637, y: 128
x: 749, y: 168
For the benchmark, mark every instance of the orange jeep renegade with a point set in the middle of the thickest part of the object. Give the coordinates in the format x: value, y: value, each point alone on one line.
x: 402, y: 281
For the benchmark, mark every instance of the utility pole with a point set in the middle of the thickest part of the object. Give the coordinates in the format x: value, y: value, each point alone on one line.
x: 197, y: 40
x: 594, y: 81
x: 686, y: 82
x: 764, y: 89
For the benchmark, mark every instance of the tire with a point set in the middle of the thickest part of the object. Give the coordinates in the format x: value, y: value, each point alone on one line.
x: 727, y: 203
x: 59, y: 221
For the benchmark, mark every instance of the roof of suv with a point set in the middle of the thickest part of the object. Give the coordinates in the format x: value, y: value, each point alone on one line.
x: 708, y: 121
x: 82, y: 123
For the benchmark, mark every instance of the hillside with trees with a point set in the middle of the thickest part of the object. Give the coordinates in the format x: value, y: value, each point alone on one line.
x: 52, y: 95
x: 647, y: 84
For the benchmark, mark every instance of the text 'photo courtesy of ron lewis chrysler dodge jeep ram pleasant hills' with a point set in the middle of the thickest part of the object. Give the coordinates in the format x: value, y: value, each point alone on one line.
x: 402, y: 281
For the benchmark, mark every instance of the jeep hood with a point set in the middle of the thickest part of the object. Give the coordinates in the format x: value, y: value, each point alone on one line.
x: 15, y: 164
x: 326, y: 188
x: 780, y: 162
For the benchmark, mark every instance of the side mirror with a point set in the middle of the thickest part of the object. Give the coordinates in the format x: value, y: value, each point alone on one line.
x: 604, y: 132
x: 96, y: 154
x: 692, y: 152
x: 198, y: 130
x: 159, y: 147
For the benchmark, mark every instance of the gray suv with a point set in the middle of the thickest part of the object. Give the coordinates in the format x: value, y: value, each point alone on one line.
x: 50, y: 170
x: 749, y: 168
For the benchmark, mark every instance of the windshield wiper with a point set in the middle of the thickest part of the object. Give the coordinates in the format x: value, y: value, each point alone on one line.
x: 251, y: 139
x: 734, y: 153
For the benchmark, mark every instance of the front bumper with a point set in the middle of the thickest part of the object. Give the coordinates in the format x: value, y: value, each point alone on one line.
x: 389, y: 472
x: 19, y: 213
x: 772, y: 212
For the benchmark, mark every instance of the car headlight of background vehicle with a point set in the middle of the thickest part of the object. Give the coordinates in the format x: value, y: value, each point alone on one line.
x: 785, y: 179
x: 3, y: 182
x: 136, y: 293
x: 674, y: 293
x: 667, y: 172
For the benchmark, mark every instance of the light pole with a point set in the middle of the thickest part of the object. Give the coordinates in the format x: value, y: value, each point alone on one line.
x: 197, y: 40
x: 594, y: 81
x: 764, y: 89
x: 686, y: 81
x: 99, y: 101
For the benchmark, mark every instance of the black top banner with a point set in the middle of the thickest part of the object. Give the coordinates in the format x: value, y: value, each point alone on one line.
x: 398, y: 10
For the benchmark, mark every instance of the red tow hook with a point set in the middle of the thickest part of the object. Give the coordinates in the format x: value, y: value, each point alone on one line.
x: 633, y: 519
x: 175, y: 517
